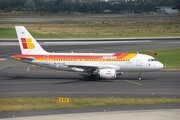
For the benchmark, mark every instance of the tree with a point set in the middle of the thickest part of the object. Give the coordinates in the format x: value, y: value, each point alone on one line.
x: 8, y: 9
x: 85, y: 5
x: 58, y: 2
x: 30, y: 5
x: 54, y: 9
x: 19, y: 8
x: 41, y: 9
x: 4, y: 4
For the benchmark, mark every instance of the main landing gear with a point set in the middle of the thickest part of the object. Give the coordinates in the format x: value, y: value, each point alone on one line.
x: 139, y: 76
x: 90, y: 77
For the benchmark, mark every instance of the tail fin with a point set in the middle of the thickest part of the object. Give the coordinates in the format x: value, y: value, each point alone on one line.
x: 27, y: 43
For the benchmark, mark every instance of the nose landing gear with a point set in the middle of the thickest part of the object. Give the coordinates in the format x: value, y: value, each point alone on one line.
x: 139, y: 76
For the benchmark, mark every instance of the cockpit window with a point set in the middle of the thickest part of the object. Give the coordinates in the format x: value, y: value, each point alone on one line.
x: 151, y: 60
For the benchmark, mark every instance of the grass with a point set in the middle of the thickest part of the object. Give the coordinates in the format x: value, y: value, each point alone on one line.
x: 7, y: 33
x: 112, y: 35
x: 11, y: 33
x: 169, y: 57
x: 154, y: 27
x: 34, y: 103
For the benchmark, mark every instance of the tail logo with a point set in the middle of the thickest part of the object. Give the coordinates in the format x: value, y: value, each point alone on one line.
x: 27, y: 43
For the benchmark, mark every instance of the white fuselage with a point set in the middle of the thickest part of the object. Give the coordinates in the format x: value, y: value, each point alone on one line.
x: 139, y: 63
x: 106, y: 65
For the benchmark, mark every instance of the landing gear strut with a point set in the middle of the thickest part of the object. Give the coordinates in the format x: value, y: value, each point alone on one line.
x: 90, y: 77
x: 139, y: 76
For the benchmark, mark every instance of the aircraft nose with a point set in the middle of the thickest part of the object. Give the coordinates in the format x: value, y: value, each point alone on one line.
x: 160, y: 65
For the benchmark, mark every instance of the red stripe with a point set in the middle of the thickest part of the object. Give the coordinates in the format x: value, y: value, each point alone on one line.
x: 119, y: 56
x: 24, y: 45
x: 23, y: 40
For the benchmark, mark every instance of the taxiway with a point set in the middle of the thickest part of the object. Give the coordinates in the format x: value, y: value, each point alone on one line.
x: 18, y: 79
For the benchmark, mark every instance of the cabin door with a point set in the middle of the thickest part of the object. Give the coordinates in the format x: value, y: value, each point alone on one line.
x: 46, y: 60
x: 139, y: 61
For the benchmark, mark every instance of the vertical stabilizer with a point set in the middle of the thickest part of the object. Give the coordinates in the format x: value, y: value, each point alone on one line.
x: 27, y: 43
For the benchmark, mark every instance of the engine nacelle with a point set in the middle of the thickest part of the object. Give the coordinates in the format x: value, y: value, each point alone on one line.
x: 78, y: 69
x: 119, y: 73
x: 107, y: 73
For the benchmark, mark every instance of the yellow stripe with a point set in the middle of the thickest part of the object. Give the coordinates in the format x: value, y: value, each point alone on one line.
x: 17, y: 58
x: 130, y: 56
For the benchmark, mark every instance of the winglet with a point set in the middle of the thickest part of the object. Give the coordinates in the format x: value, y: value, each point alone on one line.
x: 27, y: 43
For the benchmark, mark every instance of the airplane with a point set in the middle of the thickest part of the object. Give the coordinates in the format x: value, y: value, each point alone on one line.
x: 104, y: 65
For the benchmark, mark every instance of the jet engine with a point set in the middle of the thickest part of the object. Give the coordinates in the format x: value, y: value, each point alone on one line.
x: 107, y: 73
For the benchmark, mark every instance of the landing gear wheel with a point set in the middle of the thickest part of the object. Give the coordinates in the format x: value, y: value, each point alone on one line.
x: 87, y: 78
x: 139, y: 76
x: 92, y: 77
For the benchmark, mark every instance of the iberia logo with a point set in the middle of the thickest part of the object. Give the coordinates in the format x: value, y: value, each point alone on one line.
x: 27, y: 43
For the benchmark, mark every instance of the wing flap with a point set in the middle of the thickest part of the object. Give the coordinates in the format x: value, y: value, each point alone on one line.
x: 94, y: 67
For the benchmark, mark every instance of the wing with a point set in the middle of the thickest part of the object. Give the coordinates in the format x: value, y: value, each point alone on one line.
x: 93, y: 68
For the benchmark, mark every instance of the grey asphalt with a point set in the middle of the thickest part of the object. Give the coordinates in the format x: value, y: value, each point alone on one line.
x: 17, y: 80
x: 7, y: 49
x: 48, y: 113
x: 163, y: 114
x: 20, y: 79
x: 29, y: 19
